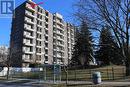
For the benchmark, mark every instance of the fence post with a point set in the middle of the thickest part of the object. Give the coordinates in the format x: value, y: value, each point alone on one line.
x: 90, y: 74
x: 75, y: 74
x: 107, y: 74
x: 113, y: 73
x: 44, y: 73
x: 124, y: 72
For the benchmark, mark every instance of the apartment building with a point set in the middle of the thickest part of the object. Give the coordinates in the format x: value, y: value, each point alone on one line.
x: 40, y: 37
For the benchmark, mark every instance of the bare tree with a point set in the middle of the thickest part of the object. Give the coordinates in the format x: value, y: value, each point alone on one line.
x: 115, y: 14
x: 3, y: 55
x: 4, y: 58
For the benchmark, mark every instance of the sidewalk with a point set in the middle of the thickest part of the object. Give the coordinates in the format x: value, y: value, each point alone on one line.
x: 84, y: 83
x: 37, y: 83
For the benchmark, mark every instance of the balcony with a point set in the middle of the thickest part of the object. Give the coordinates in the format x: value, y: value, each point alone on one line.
x: 56, y: 38
x: 27, y: 52
x: 46, y: 22
x: 39, y: 53
x: 46, y: 35
x: 59, y: 33
x: 29, y: 7
x: 58, y: 50
x: 58, y: 27
x: 69, y: 42
x: 39, y: 32
x: 58, y: 15
x: 46, y: 62
x: 40, y: 26
x: 39, y: 19
x: 46, y: 28
x: 27, y: 35
x: 28, y: 44
x: 54, y: 55
x: 29, y: 14
x: 39, y: 39
x: 26, y: 27
x: 47, y: 16
x: 59, y: 56
x: 26, y: 60
x: 46, y: 48
x: 39, y: 46
x: 46, y: 41
x: 46, y: 54
x: 59, y: 22
x: 29, y: 21
x: 62, y: 45
x: 40, y: 13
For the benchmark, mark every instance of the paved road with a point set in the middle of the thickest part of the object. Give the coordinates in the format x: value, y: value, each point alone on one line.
x: 16, y: 85
x: 24, y: 84
x: 42, y: 84
x: 20, y: 85
x: 3, y: 85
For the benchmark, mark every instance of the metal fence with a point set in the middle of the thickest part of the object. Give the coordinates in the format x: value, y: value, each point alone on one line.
x: 86, y: 74
x: 48, y: 74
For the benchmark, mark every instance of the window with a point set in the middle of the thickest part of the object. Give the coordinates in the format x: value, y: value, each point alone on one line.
x: 39, y: 36
x: 46, y: 51
x: 28, y: 26
x: 31, y: 49
x: 29, y: 33
x: 38, y: 9
x: 28, y: 56
x: 54, y: 18
x: 46, y: 31
x: 38, y: 43
x: 39, y: 16
x: 29, y: 41
x: 38, y: 50
x: 46, y: 44
x: 46, y: 38
x: 54, y: 41
x: 46, y: 25
x: 38, y: 57
x: 46, y: 58
x: 54, y: 47
x: 40, y: 23
x: 47, y: 14
x: 39, y: 29
x: 46, y: 19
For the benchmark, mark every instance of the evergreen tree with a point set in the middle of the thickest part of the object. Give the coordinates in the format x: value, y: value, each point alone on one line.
x: 83, y: 53
x: 109, y: 52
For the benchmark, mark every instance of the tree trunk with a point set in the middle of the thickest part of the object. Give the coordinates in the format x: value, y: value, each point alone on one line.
x: 127, y: 68
x: 7, y: 73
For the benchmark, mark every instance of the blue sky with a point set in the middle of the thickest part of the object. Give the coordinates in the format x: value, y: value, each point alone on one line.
x: 64, y: 7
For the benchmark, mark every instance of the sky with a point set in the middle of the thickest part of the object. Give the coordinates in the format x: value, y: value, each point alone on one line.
x: 63, y: 7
